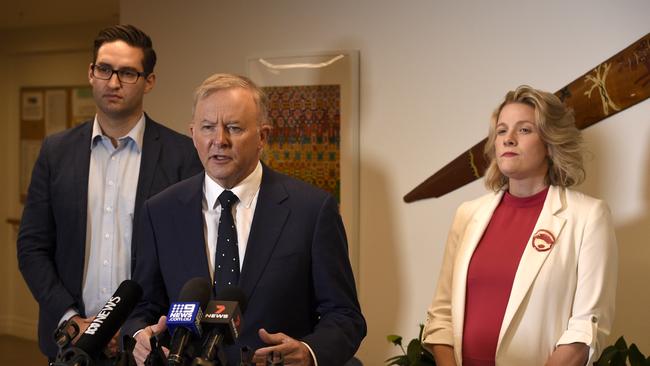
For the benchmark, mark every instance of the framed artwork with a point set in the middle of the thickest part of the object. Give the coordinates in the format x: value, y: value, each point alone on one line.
x: 314, y: 109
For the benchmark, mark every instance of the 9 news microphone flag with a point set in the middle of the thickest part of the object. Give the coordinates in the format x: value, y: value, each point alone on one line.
x: 184, y: 318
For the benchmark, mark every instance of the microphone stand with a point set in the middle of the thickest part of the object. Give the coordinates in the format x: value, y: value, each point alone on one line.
x: 125, y: 358
x: 246, y: 356
x: 69, y: 356
x: 156, y: 356
x: 212, y: 354
x: 274, y: 359
x: 73, y: 357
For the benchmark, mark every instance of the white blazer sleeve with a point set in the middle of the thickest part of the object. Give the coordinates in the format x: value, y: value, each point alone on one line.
x: 438, y: 327
x: 593, y: 307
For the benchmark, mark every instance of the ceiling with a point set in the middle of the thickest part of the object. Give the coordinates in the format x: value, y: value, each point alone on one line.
x: 38, y: 13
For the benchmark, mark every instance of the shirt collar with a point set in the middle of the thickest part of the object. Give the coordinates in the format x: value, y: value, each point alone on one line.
x: 136, y: 134
x: 245, y: 191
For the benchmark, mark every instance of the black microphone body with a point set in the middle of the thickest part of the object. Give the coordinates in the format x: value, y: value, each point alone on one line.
x: 184, y: 326
x: 73, y: 356
x: 101, y: 330
x: 211, y: 345
x: 156, y: 357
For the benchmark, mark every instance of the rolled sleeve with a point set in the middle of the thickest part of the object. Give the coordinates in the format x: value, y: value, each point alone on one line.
x: 438, y: 326
x: 580, y: 331
x: 593, y: 306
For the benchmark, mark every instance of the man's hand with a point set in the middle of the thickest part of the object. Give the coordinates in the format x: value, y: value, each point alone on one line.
x: 82, y: 323
x: 294, y: 351
x: 143, y: 345
x: 112, y: 348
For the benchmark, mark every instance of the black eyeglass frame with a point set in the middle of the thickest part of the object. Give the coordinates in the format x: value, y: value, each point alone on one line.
x: 117, y: 72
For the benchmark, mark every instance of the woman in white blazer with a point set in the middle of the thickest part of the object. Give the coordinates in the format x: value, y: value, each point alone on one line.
x: 529, y: 271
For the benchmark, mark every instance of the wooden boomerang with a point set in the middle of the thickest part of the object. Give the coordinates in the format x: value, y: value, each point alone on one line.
x: 614, y: 85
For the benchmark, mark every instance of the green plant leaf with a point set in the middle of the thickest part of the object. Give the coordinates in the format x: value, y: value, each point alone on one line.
x: 607, y: 356
x: 397, y: 360
x: 394, y: 358
x: 427, y: 356
x: 414, y: 351
x: 636, y: 357
x: 621, y: 344
x: 394, y: 339
x: 420, y: 333
x: 619, y: 358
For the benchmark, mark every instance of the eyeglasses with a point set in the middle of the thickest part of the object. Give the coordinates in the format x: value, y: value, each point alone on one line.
x: 127, y: 76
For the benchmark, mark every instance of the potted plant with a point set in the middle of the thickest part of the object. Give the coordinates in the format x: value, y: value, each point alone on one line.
x: 618, y: 354
x: 413, y: 355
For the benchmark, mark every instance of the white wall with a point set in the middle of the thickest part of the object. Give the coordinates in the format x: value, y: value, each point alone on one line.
x: 431, y: 73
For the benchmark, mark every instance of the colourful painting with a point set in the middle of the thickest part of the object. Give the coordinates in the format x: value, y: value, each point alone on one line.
x: 305, y: 141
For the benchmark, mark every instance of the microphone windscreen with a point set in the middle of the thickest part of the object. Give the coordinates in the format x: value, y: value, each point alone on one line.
x: 233, y: 293
x: 223, y: 315
x: 197, y: 289
x: 110, y: 318
x: 188, y: 311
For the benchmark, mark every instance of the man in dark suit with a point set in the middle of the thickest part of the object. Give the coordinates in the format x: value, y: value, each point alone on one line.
x: 288, y: 254
x: 89, y: 183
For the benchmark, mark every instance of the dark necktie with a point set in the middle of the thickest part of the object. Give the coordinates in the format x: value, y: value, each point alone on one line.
x: 226, y: 268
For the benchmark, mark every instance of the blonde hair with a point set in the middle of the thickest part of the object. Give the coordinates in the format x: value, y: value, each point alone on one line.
x: 219, y: 82
x: 557, y: 130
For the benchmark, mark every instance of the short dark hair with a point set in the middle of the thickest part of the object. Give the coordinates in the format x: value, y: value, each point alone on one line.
x: 132, y: 36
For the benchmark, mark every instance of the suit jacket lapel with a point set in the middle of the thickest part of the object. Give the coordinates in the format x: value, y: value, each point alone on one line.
x: 268, y: 222
x: 80, y: 169
x: 148, y: 162
x: 190, y: 218
x: 532, y: 259
x: 150, y: 151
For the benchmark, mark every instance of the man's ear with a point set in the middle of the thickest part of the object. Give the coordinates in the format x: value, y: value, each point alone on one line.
x: 149, y: 82
x: 90, y: 73
x: 265, y: 130
x: 191, y: 129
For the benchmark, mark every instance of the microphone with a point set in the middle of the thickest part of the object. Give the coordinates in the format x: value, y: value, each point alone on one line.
x: 126, y: 358
x: 184, y: 318
x: 106, y: 323
x: 222, y: 321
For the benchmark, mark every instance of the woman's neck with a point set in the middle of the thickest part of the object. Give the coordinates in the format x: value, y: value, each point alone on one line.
x: 526, y: 187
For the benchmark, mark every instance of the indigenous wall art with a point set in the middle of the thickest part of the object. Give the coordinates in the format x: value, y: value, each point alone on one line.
x: 306, y: 138
x: 314, y: 109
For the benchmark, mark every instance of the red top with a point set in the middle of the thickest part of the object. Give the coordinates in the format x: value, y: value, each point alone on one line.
x: 491, y: 273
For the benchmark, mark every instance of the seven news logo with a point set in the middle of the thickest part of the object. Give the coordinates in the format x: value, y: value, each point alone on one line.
x: 220, y: 309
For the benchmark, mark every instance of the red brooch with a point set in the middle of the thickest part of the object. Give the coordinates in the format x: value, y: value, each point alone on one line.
x: 543, y: 240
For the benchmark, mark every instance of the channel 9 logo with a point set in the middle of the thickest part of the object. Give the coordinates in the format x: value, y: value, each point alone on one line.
x: 182, y: 312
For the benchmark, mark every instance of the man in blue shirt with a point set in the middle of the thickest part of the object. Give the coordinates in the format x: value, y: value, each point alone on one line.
x: 75, y: 244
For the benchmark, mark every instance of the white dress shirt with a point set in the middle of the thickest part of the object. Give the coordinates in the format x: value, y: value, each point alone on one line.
x: 247, y: 192
x: 112, y: 183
